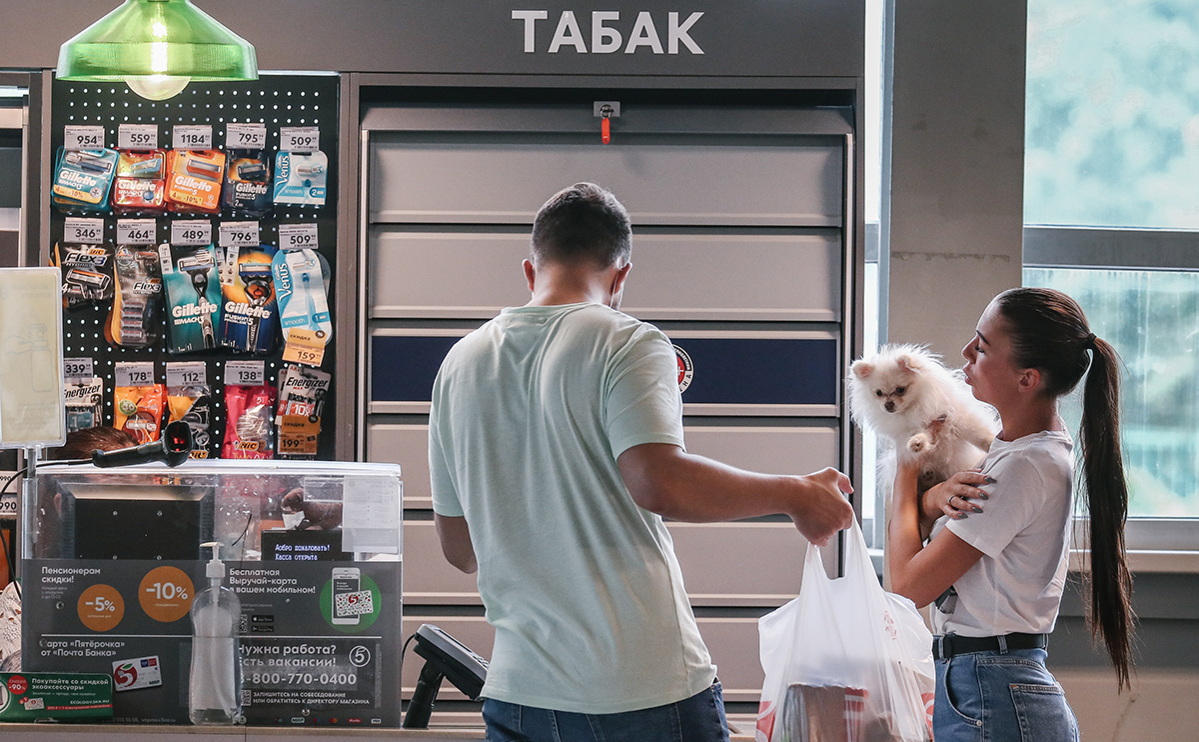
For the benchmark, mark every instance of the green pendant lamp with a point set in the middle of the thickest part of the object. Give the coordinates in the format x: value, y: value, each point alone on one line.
x: 157, y: 47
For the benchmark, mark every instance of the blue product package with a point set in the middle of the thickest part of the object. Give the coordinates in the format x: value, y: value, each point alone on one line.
x: 193, y: 298
x: 300, y: 291
x: 82, y: 179
x: 250, y: 316
x: 301, y: 178
x: 247, y: 182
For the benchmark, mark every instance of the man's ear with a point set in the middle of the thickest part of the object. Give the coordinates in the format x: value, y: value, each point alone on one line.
x: 621, y: 275
x: 530, y: 273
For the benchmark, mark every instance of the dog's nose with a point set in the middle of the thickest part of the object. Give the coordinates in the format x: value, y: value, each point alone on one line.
x: 889, y: 406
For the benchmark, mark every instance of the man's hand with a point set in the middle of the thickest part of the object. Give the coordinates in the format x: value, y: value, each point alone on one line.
x: 820, y: 505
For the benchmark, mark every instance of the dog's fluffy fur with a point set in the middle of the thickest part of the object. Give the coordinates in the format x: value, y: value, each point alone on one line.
x: 923, y: 410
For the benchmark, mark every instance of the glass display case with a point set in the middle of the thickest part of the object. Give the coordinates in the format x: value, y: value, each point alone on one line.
x: 113, y: 560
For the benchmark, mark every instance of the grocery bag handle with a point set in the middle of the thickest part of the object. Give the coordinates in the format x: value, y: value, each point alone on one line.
x: 857, y: 558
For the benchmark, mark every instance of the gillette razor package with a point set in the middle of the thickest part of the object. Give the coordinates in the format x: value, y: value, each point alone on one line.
x: 82, y: 179
x: 301, y: 178
x: 134, y: 318
x: 84, y: 403
x: 86, y: 273
x: 140, y: 184
x: 300, y: 292
x: 302, y: 393
x: 194, y: 180
x: 247, y: 182
x: 249, y: 428
x: 193, y: 405
x: 250, y: 317
x: 139, y: 410
x: 193, y: 297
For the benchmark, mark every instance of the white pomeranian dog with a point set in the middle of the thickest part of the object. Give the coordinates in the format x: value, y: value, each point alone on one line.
x: 923, y: 410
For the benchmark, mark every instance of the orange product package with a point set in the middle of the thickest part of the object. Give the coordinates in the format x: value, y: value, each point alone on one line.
x: 139, y: 410
x: 194, y: 180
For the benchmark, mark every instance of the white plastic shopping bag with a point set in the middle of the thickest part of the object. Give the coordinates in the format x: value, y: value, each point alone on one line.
x: 846, y: 661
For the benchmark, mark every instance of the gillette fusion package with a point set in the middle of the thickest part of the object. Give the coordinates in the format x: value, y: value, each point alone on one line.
x: 140, y: 184
x: 192, y: 404
x: 249, y: 424
x: 300, y: 292
x: 139, y: 410
x: 302, y: 393
x: 250, y: 316
x: 194, y: 180
x: 301, y: 178
x: 134, y: 319
x: 82, y: 179
x: 86, y: 273
x: 84, y: 403
x: 247, y: 182
x: 193, y: 297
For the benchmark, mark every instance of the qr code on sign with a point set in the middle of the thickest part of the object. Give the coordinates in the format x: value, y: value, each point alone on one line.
x: 354, y: 604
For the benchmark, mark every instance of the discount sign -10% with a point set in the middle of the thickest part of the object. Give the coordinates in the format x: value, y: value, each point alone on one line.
x: 166, y: 594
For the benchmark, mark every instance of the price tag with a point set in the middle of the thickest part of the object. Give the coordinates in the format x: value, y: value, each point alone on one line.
x: 192, y: 136
x: 165, y: 260
x: 239, y: 234
x: 8, y: 506
x: 304, y: 346
x: 297, y: 236
x: 187, y: 373
x: 135, y: 373
x: 88, y: 231
x: 245, y: 373
x: 299, y: 139
x: 137, y: 136
x: 191, y: 232
x: 83, y: 137
x: 298, y: 435
x: 77, y: 370
x: 136, y: 231
x: 245, y: 136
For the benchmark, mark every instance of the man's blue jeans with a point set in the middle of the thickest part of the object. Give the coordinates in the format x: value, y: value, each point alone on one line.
x: 696, y: 719
x: 1000, y: 697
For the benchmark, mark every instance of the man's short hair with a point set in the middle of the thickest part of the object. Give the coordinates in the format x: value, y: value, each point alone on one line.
x: 582, y: 223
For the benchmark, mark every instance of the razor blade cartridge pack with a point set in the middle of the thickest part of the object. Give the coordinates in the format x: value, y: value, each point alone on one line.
x: 193, y: 298
x: 301, y: 178
x: 135, y: 317
x: 250, y: 315
x: 249, y: 423
x: 86, y: 273
x: 140, y: 184
x: 194, y: 180
x: 83, y: 178
x: 247, y: 182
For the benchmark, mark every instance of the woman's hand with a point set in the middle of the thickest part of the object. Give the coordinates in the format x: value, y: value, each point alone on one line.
x: 957, y: 496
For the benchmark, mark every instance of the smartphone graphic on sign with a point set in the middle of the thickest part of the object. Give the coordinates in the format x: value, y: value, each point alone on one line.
x: 345, y: 580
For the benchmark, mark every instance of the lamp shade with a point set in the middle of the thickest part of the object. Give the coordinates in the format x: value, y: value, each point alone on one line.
x: 157, y: 39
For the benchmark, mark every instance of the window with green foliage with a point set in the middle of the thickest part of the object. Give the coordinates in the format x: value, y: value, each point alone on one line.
x: 1112, y: 175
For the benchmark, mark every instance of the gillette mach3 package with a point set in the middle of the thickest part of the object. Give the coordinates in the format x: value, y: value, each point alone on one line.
x: 194, y: 180
x: 300, y: 292
x: 301, y: 178
x: 193, y: 297
x: 82, y: 179
x: 134, y: 318
x: 250, y: 316
x: 247, y: 182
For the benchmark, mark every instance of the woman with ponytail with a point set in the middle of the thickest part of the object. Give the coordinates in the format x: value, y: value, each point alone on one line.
x: 996, y: 570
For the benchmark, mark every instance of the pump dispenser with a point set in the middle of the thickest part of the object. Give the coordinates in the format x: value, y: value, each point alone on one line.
x: 215, y: 693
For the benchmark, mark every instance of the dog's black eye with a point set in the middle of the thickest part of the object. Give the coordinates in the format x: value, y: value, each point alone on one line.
x: 878, y: 392
x: 900, y: 390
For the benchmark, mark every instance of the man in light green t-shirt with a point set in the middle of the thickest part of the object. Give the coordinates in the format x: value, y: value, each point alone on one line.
x: 555, y: 448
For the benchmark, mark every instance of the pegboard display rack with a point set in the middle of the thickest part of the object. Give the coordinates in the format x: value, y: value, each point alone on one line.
x: 275, y: 100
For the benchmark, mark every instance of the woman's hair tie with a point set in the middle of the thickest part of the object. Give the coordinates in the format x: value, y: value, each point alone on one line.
x: 1091, y: 341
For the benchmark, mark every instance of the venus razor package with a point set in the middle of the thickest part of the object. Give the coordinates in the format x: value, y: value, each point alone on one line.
x: 300, y: 292
x: 249, y: 429
x: 86, y: 273
x: 134, y: 319
x: 139, y: 410
x: 84, y: 403
x: 250, y: 320
x: 140, y: 184
x: 301, y: 178
x: 247, y: 182
x: 193, y: 297
x: 82, y: 179
x: 192, y: 404
x: 194, y: 180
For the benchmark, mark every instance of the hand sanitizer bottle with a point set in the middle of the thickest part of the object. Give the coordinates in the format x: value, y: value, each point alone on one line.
x: 215, y: 693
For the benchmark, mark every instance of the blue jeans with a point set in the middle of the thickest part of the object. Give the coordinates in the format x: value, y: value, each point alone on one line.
x: 696, y: 719
x: 1000, y: 697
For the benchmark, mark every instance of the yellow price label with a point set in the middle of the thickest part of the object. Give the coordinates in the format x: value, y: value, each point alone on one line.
x: 298, y: 435
x: 305, y: 346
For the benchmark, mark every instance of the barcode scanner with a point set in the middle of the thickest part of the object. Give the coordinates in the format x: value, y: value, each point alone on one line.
x: 445, y: 657
x: 174, y: 447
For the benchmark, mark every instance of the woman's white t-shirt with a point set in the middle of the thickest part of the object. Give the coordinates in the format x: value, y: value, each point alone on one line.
x: 1023, y: 534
